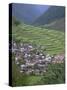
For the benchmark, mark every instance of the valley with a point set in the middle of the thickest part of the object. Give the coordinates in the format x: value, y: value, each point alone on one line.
x: 44, y: 41
x: 37, y: 45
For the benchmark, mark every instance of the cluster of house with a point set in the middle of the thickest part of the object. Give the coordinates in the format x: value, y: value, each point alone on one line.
x: 32, y: 61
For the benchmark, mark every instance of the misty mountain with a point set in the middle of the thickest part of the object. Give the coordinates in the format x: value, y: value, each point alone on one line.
x: 28, y: 13
x: 56, y: 25
x: 52, y: 14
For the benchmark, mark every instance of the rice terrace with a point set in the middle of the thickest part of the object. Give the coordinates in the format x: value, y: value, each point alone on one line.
x: 38, y: 45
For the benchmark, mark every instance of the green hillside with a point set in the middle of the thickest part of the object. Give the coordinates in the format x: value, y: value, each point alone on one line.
x: 57, y: 25
x: 52, y: 40
x: 52, y: 14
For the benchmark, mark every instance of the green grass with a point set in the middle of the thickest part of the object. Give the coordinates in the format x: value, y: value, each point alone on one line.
x: 55, y: 74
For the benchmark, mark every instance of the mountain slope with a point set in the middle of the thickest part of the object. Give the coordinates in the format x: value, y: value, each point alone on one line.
x: 52, y: 14
x: 28, y: 12
x: 57, y: 25
x: 47, y: 38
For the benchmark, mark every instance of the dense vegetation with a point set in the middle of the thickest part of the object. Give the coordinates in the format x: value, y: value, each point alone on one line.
x: 55, y: 74
x: 52, y: 40
x: 57, y: 25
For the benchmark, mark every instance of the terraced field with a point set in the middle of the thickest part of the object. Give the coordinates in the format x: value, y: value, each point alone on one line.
x: 52, y: 40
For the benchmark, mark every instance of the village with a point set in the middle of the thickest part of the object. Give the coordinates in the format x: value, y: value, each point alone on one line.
x: 32, y: 61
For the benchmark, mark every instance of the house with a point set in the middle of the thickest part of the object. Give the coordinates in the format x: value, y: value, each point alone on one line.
x: 58, y: 58
x: 30, y: 64
x: 22, y: 49
x: 23, y: 67
x: 48, y: 59
x: 14, y: 44
x: 36, y: 56
x: 40, y: 54
x: 21, y: 71
x: 30, y: 46
x: 26, y: 55
x: 43, y: 57
x: 16, y: 58
x: 41, y: 65
x: 17, y: 62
